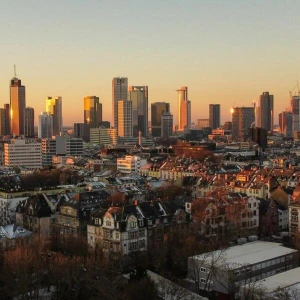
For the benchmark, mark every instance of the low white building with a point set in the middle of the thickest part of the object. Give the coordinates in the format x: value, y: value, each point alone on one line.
x: 130, y: 164
x: 23, y: 152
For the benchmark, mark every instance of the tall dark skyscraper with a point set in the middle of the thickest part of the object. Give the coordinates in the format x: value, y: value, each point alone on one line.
x: 138, y: 95
x: 242, y: 119
x: 29, y: 122
x: 214, y: 115
x: 119, y: 92
x: 17, y: 106
x: 7, y: 119
x: 286, y: 123
x: 157, y: 110
x: 92, y: 115
x: 264, y: 112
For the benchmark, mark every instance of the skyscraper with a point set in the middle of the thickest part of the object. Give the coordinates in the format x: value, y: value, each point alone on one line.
x: 29, y: 122
x: 119, y: 92
x: 242, y: 119
x: 214, y: 116
x: 166, y: 124
x: 54, y: 109
x: 286, y: 123
x: 157, y: 109
x: 17, y: 106
x: 7, y: 119
x: 2, y: 121
x: 295, y: 101
x: 92, y: 115
x: 184, y: 109
x: 264, y: 112
x: 124, y: 118
x: 138, y: 95
x: 45, y: 127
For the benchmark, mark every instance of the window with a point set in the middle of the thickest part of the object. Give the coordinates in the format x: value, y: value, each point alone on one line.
x: 203, y: 270
x: 202, y: 280
x: 108, y: 223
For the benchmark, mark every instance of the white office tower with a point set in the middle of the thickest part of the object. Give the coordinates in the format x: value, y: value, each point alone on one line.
x: 23, y: 152
x: 45, y: 126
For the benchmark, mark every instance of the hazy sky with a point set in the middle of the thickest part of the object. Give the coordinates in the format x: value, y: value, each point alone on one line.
x: 226, y: 52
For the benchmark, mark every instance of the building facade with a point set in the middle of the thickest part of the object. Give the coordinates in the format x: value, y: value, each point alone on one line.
x: 157, y: 110
x: 287, y: 123
x: 54, y: 109
x: 119, y: 92
x: 129, y: 164
x: 125, y: 128
x: 45, y: 126
x: 166, y: 125
x: 295, y: 101
x: 103, y: 136
x: 29, y: 122
x: 17, y: 106
x: 242, y: 119
x: 92, y: 114
x: 48, y: 151
x: 214, y: 116
x: 22, y: 152
x: 138, y: 95
x: 184, y: 109
x: 264, y: 112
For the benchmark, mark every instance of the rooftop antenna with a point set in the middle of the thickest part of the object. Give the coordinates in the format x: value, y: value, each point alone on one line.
x: 15, y: 71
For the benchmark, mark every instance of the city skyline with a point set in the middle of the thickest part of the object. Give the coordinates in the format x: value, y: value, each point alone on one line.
x: 225, y: 48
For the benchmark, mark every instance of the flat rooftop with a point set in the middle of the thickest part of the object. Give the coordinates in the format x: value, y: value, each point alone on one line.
x: 246, y: 254
x: 286, y: 280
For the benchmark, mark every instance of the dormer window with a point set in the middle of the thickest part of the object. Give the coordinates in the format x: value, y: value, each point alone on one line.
x: 108, y: 223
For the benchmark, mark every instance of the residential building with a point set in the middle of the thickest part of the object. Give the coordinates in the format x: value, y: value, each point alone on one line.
x: 286, y: 123
x: 125, y: 118
x: 29, y: 122
x: 37, y: 214
x: 12, y: 236
x: 54, y: 109
x: 268, y: 217
x: 238, y: 264
x: 118, y: 231
x: 17, y: 106
x: 157, y: 110
x: 130, y: 164
x: 264, y: 112
x: 184, y: 109
x: 119, y: 92
x: 166, y: 125
x: 103, y: 136
x: 45, y: 126
x: 23, y: 152
x: 92, y: 115
x: 69, y: 146
x: 242, y: 119
x: 214, y: 116
x: 48, y: 151
x: 138, y: 95
x: 294, y: 222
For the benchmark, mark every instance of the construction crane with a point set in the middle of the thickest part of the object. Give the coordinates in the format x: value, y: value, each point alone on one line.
x: 296, y: 86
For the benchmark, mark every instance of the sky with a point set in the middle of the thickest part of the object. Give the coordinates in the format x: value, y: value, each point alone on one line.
x: 226, y: 52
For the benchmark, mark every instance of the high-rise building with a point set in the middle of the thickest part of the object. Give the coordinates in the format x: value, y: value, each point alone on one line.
x: 48, y: 151
x: 184, y: 109
x: 138, y: 95
x: 78, y: 130
x: 92, y: 114
x: 2, y: 121
x: 119, y: 92
x: 201, y: 123
x: 124, y: 118
x: 242, y: 119
x: 295, y: 101
x: 103, y: 136
x: 264, y: 112
x: 45, y: 126
x: 166, y: 124
x: 286, y: 123
x: 29, y: 122
x: 7, y: 119
x: 17, y: 106
x: 214, y: 116
x: 54, y: 109
x: 157, y: 110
